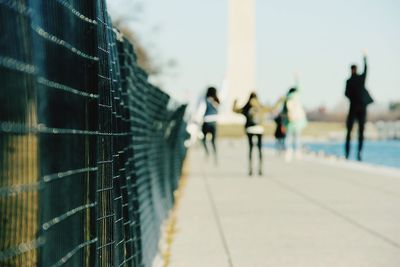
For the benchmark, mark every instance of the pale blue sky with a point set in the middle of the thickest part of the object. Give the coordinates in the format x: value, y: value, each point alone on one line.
x: 317, y: 38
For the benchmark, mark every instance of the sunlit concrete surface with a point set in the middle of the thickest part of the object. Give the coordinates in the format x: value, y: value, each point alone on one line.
x: 310, y: 212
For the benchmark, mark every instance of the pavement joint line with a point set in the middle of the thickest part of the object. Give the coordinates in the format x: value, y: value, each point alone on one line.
x: 217, y: 220
x: 336, y: 213
x: 353, y: 181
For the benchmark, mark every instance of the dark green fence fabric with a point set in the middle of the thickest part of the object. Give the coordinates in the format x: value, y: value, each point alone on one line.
x: 90, y: 152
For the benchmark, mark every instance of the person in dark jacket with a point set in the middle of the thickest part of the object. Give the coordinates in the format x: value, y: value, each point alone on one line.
x: 280, y: 131
x: 359, y: 100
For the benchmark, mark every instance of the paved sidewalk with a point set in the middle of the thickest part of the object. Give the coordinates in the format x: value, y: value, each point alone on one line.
x: 308, y: 213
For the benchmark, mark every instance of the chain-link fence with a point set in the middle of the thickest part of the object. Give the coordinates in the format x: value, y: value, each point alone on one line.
x: 90, y: 152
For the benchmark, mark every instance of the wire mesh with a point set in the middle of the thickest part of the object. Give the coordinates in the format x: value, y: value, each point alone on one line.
x: 90, y: 151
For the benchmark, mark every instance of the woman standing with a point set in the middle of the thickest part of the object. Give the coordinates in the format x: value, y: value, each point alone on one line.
x: 209, y: 126
x: 255, y: 113
x: 295, y: 123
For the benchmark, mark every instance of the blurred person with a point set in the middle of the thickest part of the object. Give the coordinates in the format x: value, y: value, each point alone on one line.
x: 209, y: 127
x: 359, y: 100
x: 295, y: 122
x: 254, y: 113
x: 280, y: 132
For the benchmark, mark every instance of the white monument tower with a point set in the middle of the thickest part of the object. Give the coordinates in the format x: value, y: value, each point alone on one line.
x: 240, y: 79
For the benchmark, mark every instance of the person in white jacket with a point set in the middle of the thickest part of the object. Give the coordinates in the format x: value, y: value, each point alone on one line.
x: 296, y: 121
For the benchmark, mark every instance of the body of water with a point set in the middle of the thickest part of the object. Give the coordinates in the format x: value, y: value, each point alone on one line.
x: 386, y: 153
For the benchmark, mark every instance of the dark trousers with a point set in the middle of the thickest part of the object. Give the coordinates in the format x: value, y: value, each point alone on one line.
x: 358, y: 114
x: 209, y: 128
x: 251, y: 145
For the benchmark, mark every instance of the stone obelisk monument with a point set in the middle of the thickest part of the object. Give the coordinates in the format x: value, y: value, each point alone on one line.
x: 240, y: 78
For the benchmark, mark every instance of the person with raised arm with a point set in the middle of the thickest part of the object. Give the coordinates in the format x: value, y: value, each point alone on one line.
x: 359, y: 99
x: 254, y: 113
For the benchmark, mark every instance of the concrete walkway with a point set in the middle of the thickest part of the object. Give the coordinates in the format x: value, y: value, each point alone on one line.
x: 311, y: 212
